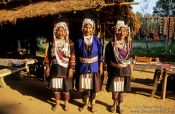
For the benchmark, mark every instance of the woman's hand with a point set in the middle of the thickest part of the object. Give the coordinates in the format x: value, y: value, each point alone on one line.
x: 46, y: 60
x: 101, y: 68
x: 121, y: 65
x: 117, y: 65
x: 47, y: 71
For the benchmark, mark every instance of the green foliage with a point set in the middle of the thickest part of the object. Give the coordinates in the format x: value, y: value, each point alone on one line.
x: 140, y: 15
x: 155, y: 49
x: 161, y: 8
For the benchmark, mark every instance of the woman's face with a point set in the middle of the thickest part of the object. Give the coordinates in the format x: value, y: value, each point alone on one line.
x: 122, y: 33
x: 61, y: 33
x: 88, y: 29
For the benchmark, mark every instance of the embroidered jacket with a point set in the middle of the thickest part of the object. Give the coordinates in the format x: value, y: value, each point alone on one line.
x: 83, y: 51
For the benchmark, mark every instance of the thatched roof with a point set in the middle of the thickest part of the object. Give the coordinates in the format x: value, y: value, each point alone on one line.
x: 46, y: 8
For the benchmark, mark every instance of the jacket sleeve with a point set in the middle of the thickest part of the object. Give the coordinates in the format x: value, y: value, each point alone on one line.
x: 107, y: 54
x: 72, y: 56
x: 100, y: 51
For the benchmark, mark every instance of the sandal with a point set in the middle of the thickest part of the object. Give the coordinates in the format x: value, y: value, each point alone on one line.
x: 113, y: 109
x: 56, y: 107
x: 119, y: 110
x: 82, y: 108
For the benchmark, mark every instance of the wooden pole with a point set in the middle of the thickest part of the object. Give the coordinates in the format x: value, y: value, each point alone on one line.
x: 120, y: 4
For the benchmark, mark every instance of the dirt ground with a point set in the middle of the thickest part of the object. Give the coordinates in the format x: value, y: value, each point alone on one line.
x: 31, y: 96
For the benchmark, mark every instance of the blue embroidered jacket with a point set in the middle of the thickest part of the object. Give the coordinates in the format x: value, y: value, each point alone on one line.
x: 82, y: 51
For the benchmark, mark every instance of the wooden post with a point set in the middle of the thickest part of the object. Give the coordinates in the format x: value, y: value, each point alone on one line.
x: 164, y: 84
x: 156, y: 78
x: 45, y: 57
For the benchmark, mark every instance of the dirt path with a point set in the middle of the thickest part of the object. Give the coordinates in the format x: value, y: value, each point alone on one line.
x: 30, y: 96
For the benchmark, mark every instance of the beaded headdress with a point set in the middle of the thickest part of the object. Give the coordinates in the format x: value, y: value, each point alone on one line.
x: 88, y: 21
x: 61, y: 24
x: 120, y: 24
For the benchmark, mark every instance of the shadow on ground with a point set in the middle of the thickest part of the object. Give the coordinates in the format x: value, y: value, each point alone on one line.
x: 144, y: 87
x: 35, y: 87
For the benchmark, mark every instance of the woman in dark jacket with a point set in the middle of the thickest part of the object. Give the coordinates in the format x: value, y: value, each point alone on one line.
x: 62, y: 64
x: 117, y: 58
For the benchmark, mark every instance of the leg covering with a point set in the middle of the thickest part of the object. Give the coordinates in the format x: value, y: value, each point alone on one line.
x: 92, y: 97
x: 86, y: 97
x: 57, y: 95
x: 66, y: 96
x: 121, y: 95
x: 115, y: 96
x: 120, y: 99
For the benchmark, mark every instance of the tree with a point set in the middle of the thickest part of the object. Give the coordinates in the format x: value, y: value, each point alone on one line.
x: 162, y: 9
x: 140, y: 15
x: 165, y: 8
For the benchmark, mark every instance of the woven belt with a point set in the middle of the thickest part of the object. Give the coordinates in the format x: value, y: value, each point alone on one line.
x: 89, y: 60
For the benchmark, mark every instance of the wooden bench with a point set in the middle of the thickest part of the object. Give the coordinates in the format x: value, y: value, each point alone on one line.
x: 156, y: 79
x: 6, y: 72
x: 143, y: 59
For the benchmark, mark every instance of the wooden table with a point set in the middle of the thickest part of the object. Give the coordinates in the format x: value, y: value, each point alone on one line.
x: 7, y: 71
x: 6, y: 67
x: 162, y: 71
x: 165, y: 75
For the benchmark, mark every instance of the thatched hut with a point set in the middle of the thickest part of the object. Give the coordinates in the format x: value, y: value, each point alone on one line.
x: 27, y: 20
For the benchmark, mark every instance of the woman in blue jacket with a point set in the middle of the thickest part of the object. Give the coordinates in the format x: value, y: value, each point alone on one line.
x: 89, y: 61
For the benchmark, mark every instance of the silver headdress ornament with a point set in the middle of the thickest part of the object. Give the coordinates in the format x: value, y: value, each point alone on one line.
x: 88, y: 21
x: 61, y: 24
x: 119, y: 25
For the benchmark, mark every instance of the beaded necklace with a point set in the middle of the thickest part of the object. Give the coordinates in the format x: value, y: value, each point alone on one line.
x: 121, y: 45
x: 60, y: 43
x: 118, y: 57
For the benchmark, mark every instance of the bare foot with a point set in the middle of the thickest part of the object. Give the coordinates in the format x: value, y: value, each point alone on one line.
x: 83, y: 108
x: 93, y: 108
x: 66, y: 108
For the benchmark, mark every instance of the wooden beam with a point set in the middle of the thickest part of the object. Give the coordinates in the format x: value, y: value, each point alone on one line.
x: 121, y: 4
x: 129, y: 3
x: 142, y: 86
